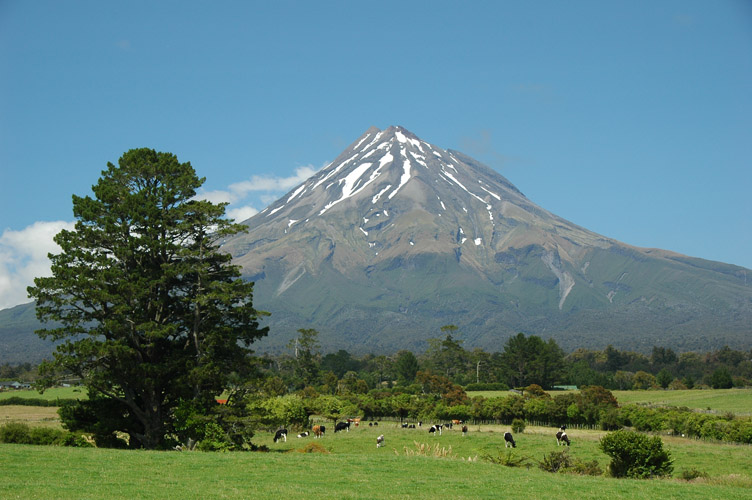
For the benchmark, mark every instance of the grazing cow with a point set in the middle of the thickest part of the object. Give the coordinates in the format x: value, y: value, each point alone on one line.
x: 379, y: 441
x: 318, y: 431
x: 464, y: 430
x: 509, y: 440
x: 375, y: 423
x: 457, y: 422
x: 342, y: 426
x: 404, y: 425
x: 303, y: 434
x: 562, y: 439
x: 411, y: 426
x: 435, y: 428
x: 280, y: 434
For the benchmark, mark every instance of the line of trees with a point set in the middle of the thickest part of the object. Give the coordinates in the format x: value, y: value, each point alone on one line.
x: 523, y: 360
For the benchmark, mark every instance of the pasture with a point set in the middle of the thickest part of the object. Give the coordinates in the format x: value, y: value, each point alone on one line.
x: 348, y: 465
x: 737, y: 401
x: 48, y: 395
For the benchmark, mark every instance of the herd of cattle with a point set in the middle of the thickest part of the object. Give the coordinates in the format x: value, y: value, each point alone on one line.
x: 318, y: 431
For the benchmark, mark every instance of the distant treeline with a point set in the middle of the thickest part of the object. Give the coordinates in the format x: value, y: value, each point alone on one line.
x: 522, y: 361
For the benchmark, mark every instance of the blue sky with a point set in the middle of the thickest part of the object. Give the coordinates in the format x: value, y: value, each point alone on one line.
x: 630, y: 118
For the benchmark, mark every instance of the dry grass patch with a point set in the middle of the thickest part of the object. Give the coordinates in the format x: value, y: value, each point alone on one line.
x: 35, y: 416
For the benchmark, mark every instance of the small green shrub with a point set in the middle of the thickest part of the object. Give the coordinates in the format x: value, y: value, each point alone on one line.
x: 610, y: 420
x: 636, y: 455
x: 555, y: 461
x: 20, y: 433
x: 16, y: 433
x: 561, y: 461
x: 76, y: 440
x: 690, y: 474
x: 592, y: 468
x: 215, y: 439
x: 508, y: 459
x: 47, y: 436
x: 518, y: 426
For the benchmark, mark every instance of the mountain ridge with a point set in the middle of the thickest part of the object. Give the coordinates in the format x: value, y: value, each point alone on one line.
x: 407, y: 224
x: 397, y: 237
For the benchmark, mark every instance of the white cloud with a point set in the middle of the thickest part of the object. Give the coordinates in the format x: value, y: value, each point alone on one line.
x: 241, y: 213
x: 23, y: 257
x: 261, y: 188
x: 263, y: 183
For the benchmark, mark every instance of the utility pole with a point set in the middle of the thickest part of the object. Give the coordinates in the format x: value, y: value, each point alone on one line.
x: 477, y: 373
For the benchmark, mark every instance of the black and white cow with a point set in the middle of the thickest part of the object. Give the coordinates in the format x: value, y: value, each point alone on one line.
x: 464, y: 430
x: 342, y: 426
x: 562, y: 439
x: 509, y: 440
x: 303, y: 434
x: 380, y: 441
x: 280, y: 434
x: 435, y: 428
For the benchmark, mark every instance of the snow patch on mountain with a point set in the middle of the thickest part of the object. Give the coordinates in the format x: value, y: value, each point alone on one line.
x: 403, y: 180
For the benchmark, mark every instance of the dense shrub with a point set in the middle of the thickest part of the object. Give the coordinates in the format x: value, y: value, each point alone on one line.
x: 518, y: 426
x: 690, y: 474
x: 16, y: 433
x: 555, y: 461
x: 19, y: 401
x: 20, y: 433
x: 636, y: 455
x: 561, y: 461
x: 507, y: 458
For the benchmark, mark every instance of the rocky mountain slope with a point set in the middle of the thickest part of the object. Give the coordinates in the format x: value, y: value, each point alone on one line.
x: 398, y: 237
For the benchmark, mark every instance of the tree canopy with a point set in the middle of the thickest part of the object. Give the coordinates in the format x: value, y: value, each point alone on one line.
x: 153, y: 317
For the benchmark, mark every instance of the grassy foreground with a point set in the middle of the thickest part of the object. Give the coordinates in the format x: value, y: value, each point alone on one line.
x: 353, y: 468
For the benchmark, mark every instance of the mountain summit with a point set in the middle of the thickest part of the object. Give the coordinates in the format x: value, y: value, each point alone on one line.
x: 398, y: 237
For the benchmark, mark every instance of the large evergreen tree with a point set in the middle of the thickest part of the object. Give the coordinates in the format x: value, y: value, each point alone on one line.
x: 153, y: 317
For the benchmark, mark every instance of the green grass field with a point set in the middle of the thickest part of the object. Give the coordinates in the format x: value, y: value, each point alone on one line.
x: 354, y: 468
x: 48, y: 395
x: 737, y: 401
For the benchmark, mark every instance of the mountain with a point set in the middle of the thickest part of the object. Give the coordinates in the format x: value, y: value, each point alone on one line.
x: 398, y: 237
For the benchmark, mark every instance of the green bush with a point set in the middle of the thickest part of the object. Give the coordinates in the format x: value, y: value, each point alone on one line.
x: 16, y: 433
x: 636, y: 455
x: 518, y: 426
x: 507, y: 459
x: 19, y: 401
x: 690, y: 474
x: 610, y: 420
x: 20, y: 433
x: 47, y: 436
x: 555, y: 461
x: 561, y: 461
